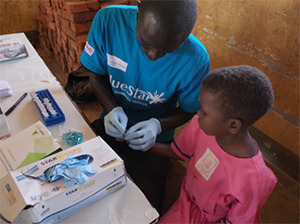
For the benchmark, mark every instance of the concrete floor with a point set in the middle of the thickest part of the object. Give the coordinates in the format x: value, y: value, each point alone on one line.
x: 281, y: 207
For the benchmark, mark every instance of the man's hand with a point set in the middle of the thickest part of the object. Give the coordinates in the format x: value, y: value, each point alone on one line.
x: 115, y: 123
x: 142, y: 135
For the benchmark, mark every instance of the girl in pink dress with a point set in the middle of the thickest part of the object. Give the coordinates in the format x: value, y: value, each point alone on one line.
x: 227, y: 179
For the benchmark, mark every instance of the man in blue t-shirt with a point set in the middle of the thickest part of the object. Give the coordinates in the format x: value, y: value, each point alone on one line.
x: 145, y: 70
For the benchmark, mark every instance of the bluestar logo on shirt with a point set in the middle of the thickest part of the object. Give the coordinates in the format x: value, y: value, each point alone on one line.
x: 136, y: 95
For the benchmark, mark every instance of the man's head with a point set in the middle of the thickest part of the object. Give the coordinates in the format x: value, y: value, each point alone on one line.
x: 163, y: 25
x: 244, y: 92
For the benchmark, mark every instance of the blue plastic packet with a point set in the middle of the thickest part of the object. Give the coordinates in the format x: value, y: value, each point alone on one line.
x: 72, y: 137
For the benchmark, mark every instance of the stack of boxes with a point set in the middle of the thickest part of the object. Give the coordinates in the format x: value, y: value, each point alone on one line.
x: 63, y: 27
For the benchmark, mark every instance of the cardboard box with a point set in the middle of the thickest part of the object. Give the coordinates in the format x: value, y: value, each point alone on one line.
x: 25, y: 147
x: 52, y: 202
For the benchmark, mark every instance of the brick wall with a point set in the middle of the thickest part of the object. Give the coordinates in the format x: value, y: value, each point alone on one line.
x: 63, y: 26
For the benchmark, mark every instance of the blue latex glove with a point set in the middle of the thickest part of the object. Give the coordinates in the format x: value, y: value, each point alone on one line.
x: 73, y: 170
x: 142, y: 135
x: 115, y: 123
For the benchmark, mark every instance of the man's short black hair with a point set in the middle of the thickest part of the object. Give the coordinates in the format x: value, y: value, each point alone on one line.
x: 245, y: 92
x: 175, y: 16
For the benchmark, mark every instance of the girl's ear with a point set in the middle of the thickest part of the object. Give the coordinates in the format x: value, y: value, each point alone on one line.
x: 235, y: 126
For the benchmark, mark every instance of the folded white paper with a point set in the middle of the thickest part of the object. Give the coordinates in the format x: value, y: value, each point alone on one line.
x: 5, y: 89
x: 11, y: 49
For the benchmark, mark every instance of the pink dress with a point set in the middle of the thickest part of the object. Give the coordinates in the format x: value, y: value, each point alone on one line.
x: 217, y: 186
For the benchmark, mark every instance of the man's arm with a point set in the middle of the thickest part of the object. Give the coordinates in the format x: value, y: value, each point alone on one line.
x: 175, y: 119
x: 115, y: 121
x: 103, y: 92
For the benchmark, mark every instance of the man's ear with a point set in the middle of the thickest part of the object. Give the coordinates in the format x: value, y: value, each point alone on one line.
x: 139, y: 8
x: 138, y: 2
x: 234, y: 126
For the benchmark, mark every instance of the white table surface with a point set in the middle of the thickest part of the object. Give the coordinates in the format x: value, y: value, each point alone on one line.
x: 126, y: 205
x: 31, y: 74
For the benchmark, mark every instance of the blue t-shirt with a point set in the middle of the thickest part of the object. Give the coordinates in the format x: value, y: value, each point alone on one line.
x: 143, y: 88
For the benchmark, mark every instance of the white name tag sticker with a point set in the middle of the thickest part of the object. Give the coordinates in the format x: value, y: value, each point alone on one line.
x: 207, y: 164
x: 117, y: 63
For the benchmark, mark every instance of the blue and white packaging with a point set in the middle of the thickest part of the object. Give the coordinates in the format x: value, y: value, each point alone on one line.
x: 25, y: 199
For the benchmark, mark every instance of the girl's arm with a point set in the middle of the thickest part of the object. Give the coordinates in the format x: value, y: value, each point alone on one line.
x: 164, y: 150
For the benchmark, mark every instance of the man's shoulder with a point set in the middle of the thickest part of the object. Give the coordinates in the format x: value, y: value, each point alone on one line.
x: 116, y: 16
x: 194, y: 43
x: 192, y: 46
x: 119, y: 9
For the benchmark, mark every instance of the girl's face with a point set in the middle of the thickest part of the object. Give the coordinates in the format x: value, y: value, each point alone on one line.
x: 211, y: 119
